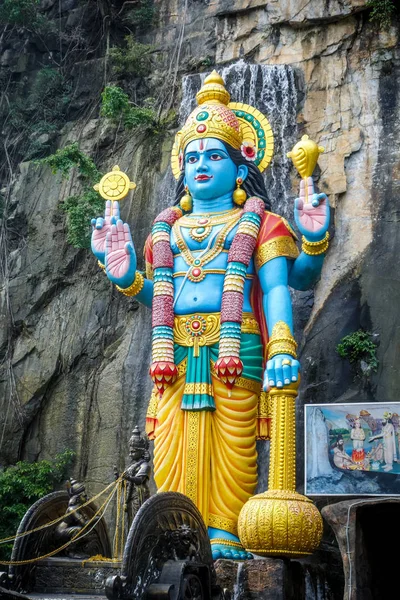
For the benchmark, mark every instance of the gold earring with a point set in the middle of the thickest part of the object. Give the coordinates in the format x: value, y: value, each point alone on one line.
x: 186, y: 200
x: 239, y: 195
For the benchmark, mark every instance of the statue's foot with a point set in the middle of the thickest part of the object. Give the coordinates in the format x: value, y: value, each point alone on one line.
x: 226, y: 545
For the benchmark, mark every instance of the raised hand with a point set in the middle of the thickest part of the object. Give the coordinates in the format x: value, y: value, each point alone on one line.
x: 120, y: 255
x: 311, y: 213
x: 100, y: 229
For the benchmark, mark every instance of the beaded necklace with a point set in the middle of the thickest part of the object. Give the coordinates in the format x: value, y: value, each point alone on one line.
x: 228, y: 366
x: 196, y: 271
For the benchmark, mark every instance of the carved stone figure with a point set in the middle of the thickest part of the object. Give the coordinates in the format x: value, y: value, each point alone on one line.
x: 73, y: 523
x: 137, y: 474
x: 218, y: 269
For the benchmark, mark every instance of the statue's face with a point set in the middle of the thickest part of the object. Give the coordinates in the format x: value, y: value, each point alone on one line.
x: 209, y: 171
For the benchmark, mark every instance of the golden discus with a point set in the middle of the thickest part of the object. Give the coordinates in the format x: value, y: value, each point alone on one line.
x: 114, y: 185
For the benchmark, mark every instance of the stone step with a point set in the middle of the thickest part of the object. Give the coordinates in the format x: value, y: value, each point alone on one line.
x: 42, y: 596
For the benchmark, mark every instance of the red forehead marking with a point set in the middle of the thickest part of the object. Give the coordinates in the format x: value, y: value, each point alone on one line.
x: 201, y: 145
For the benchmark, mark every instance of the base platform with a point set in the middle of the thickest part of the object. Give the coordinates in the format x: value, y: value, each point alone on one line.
x: 68, y: 576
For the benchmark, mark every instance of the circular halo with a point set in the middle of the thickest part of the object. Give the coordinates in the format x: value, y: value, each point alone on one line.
x: 255, y: 128
x: 114, y: 185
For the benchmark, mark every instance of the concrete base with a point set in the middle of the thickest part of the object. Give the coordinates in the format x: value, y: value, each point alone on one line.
x: 68, y: 576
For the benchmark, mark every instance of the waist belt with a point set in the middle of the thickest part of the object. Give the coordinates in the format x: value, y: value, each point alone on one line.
x: 204, y: 330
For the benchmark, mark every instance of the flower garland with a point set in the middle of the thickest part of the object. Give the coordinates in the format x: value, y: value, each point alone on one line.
x: 228, y: 367
x: 163, y: 370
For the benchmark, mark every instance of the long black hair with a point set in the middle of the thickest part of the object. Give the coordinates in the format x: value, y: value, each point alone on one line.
x: 253, y: 185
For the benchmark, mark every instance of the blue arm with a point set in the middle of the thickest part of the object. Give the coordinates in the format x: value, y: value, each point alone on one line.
x: 277, y: 305
x: 145, y: 296
x: 305, y: 271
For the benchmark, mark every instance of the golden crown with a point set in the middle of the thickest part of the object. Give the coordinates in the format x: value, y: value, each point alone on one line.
x: 239, y: 125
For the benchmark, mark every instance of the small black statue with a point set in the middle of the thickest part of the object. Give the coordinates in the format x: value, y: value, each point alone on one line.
x: 73, y: 523
x: 137, y: 474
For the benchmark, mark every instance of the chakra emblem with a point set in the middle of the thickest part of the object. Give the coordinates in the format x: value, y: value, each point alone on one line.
x: 115, y: 185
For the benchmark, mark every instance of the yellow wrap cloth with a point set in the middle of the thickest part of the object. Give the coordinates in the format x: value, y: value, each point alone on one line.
x: 208, y: 456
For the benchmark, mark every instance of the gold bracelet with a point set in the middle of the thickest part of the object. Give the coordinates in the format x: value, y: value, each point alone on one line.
x: 135, y: 287
x: 315, y: 248
x: 281, y: 341
x: 102, y: 267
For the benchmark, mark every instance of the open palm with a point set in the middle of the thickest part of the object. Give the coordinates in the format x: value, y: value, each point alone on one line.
x: 102, y: 226
x: 311, y: 212
x: 120, y: 255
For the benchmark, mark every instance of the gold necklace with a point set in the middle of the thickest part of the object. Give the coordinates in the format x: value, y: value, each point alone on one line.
x: 196, y: 271
x: 201, y: 226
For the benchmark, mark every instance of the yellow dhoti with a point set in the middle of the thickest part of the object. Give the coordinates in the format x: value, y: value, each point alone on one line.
x: 208, y: 456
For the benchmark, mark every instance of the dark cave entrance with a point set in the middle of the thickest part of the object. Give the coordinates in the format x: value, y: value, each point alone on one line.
x: 377, y: 535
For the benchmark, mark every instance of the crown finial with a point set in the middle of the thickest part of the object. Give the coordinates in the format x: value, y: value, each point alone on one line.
x: 213, y: 90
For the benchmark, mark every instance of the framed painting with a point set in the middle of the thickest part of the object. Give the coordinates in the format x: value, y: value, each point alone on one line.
x: 352, y: 449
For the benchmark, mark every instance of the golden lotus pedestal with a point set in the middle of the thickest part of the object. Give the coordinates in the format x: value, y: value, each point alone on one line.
x: 281, y: 522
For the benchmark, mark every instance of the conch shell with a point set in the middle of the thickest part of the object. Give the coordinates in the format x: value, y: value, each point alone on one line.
x: 305, y: 156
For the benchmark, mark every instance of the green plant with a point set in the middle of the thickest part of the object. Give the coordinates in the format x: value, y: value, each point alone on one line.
x: 70, y: 157
x: 23, y: 13
x: 142, y: 16
x: 115, y: 105
x: 134, y: 59
x: 24, y: 483
x: 382, y: 12
x: 359, y: 346
x: 78, y: 208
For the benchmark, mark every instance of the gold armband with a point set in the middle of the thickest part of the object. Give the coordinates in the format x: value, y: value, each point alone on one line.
x: 281, y: 341
x: 102, y: 267
x: 315, y: 248
x: 135, y: 287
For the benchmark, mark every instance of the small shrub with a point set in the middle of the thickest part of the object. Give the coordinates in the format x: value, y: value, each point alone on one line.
x: 359, y: 346
x: 21, y: 485
x: 382, y: 12
x: 115, y: 105
x: 79, y: 208
x: 143, y: 16
x: 134, y: 59
x: 70, y: 157
x: 23, y: 13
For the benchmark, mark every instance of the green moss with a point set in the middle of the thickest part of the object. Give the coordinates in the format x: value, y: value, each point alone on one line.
x: 21, y: 485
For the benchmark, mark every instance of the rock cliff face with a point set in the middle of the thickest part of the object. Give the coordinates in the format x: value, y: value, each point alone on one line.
x: 75, y: 352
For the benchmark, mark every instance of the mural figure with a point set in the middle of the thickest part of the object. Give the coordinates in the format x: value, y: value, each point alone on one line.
x: 389, y: 441
x: 137, y: 474
x: 358, y: 436
x: 219, y: 265
x: 340, y: 457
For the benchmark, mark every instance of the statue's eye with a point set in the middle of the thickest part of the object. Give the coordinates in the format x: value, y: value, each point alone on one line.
x: 191, y: 159
x: 215, y: 156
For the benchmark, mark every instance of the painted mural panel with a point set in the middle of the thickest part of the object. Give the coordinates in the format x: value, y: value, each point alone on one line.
x: 352, y: 449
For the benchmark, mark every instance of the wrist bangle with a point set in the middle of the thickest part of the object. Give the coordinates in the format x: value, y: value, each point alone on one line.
x: 315, y: 248
x: 102, y: 267
x: 135, y: 287
x: 281, y: 341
